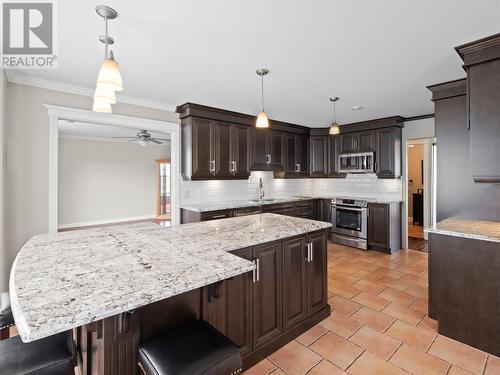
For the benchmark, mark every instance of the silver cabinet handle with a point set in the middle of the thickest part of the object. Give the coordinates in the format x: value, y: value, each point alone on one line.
x: 312, y: 252
x: 254, y: 271
x: 219, y: 216
x: 308, y: 245
x: 233, y: 167
x: 297, y: 167
x: 212, y: 166
x: 268, y: 159
x: 258, y: 269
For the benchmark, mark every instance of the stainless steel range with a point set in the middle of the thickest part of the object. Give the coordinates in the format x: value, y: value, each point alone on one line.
x: 350, y: 222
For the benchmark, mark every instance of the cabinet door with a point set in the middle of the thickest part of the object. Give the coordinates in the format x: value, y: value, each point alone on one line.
x: 240, y: 151
x: 318, y: 156
x: 221, y: 143
x: 239, y: 307
x: 348, y: 142
x: 317, y: 295
x: 276, y: 150
x: 333, y: 157
x: 378, y: 225
x: 291, y: 150
x: 388, y: 153
x: 325, y: 210
x: 303, y: 152
x: 484, y: 113
x: 266, y: 294
x: 365, y: 141
x: 201, y: 148
x: 259, y: 149
x: 294, y: 281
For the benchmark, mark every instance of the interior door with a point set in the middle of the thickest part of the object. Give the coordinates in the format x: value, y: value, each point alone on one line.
x: 266, y: 294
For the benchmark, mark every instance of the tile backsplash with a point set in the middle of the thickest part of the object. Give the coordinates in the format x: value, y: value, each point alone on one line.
x: 363, y: 185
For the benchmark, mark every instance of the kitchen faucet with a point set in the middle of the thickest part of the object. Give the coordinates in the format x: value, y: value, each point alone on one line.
x: 261, y: 189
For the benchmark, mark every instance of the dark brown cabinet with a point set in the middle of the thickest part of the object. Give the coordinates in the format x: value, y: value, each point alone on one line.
x: 266, y: 294
x: 325, y: 210
x: 221, y: 151
x: 239, y: 151
x: 333, y: 157
x: 318, y: 156
x: 388, y: 152
x: 296, y: 156
x: 317, y: 295
x: 384, y: 226
x: 362, y: 141
x: 266, y: 149
x: 196, y: 148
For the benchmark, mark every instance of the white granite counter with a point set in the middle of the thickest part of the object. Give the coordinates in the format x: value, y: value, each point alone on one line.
x: 229, y: 205
x: 63, y: 281
x: 475, y: 229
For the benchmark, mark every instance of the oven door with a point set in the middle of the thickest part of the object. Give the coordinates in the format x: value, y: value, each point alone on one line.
x: 351, y: 221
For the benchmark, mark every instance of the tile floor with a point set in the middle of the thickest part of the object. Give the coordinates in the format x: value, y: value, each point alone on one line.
x: 379, y: 324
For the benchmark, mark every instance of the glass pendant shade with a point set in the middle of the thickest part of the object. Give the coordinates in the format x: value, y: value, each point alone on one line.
x: 262, y: 121
x: 334, y: 128
x: 105, y: 95
x: 109, y: 77
x: 101, y: 106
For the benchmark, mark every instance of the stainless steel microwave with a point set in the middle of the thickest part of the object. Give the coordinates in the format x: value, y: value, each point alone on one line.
x: 359, y: 162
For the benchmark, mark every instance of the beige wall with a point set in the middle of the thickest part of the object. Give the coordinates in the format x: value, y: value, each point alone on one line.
x: 3, y: 252
x: 415, y: 158
x: 101, y: 180
x: 27, y: 131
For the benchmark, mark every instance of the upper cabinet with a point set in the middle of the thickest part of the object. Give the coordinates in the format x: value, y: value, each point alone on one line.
x: 318, y: 156
x: 482, y: 64
x: 267, y: 150
x: 296, y: 155
x: 363, y: 141
x: 388, y: 152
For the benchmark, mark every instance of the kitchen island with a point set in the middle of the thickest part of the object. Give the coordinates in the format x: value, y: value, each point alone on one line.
x: 464, y: 281
x: 260, y: 279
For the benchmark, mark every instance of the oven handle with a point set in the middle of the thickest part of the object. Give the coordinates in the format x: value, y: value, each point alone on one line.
x: 348, y: 208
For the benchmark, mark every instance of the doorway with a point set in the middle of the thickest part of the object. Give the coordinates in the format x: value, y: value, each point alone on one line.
x: 420, y: 179
x: 163, y: 192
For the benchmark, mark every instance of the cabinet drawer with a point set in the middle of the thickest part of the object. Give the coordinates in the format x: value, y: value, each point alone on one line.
x: 279, y: 206
x: 247, y: 211
x: 304, y: 204
x: 214, y: 215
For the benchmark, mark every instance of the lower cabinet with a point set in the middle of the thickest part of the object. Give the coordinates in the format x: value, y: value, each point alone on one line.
x: 288, y: 286
x: 384, y: 226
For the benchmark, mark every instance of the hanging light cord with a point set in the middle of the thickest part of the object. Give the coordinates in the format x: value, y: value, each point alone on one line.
x: 334, y: 114
x: 262, y: 93
x: 106, y: 35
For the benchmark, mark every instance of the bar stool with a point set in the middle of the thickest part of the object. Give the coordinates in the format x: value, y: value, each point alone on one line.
x: 6, y: 321
x: 53, y: 355
x: 188, y: 350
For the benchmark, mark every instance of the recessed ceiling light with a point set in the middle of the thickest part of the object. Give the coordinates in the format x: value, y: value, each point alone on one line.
x: 357, y: 108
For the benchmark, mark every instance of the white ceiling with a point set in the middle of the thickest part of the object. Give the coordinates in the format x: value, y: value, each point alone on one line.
x: 85, y: 130
x: 377, y: 54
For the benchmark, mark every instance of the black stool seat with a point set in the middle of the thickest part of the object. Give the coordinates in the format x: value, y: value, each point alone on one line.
x: 188, y: 350
x: 49, y: 356
x: 6, y: 319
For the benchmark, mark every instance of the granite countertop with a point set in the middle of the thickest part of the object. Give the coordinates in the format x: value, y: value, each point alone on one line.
x: 229, y: 205
x: 475, y: 229
x: 59, y: 282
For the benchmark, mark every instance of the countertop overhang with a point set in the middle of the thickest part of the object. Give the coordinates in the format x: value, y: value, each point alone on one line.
x: 467, y: 228
x: 59, y: 282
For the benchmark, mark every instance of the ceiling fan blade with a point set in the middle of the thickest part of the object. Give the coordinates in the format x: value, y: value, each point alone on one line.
x: 133, y: 140
x: 155, y: 140
x: 124, y: 137
x: 162, y: 139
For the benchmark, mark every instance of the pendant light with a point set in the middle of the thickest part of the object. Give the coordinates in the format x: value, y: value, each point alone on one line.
x: 262, y: 120
x: 334, y: 127
x: 109, y: 78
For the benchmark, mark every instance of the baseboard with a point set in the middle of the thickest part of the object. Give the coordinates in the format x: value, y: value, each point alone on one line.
x: 107, y: 221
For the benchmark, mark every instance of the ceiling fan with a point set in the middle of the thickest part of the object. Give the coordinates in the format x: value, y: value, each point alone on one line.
x: 144, y: 138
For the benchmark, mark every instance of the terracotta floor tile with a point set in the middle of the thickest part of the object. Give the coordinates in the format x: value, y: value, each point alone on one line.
x: 387, y: 272
x: 342, y: 278
x: 455, y: 370
x: 344, y: 290
x: 337, y: 350
x: 367, y: 266
x: 278, y: 371
x: 397, y: 296
x: 373, y: 319
x: 459, y: 354
x: 393, y: 283
x: 294, y: 358
x: 371, y: 300
x: 368, y: 286
x: 343, y: 306
x: 418, y: 362
x: 311, y: 335
x: 418, y: 337
x: 418, y: 291
x: 429, y: 324
x: 264, y: 367
x: 420, y: 304
x: 413, y: 279
x: 367, y: 275
x: 326, y: 368
x: 403, y: 313
x: 369, y: 363
x: 492, y: 366
x: 341, y: 325
x: 376, y: 342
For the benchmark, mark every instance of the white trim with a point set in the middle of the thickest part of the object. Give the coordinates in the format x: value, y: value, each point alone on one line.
x: 58, y: 112
x: 108, y: 221
x: 24, y: 79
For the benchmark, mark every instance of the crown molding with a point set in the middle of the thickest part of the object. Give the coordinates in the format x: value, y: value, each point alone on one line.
x: 23, y: 79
